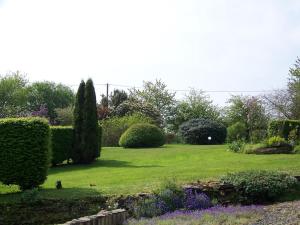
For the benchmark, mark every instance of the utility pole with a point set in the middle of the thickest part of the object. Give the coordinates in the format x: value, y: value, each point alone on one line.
x: 107, y: 87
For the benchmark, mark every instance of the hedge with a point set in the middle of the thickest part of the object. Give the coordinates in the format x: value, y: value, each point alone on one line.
x: 142, y: 135
x: 62, y: 143
x: 62, y: 140
x: 24, y: 151
x: 283, y: 128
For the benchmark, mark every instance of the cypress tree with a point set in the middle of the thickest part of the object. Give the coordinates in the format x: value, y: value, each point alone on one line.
x: 78, y: 124
x: 90, y: 125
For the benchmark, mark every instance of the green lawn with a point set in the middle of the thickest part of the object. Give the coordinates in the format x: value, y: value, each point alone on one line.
x: 124, y: 171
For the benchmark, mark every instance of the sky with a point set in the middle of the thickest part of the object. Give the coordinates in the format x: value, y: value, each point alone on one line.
x: 213, y: 45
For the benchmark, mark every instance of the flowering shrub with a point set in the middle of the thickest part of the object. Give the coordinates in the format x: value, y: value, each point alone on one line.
x: 195, y: 200
x: 237, y: 146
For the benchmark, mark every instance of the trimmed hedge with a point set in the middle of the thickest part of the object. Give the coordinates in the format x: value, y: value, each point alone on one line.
x: 142, y: 135
x: 198, y: 131
x: 62, y: 140
x: 24, y: 151
x: 283, y: 128
x: 62, y: 143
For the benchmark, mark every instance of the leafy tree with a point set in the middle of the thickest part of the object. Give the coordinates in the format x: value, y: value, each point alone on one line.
x: 117, y: 97
x: 294, y: 89
x: 248, y: 110
x: 195, y: 105
x: 50, y: 95
x: 13, y: 95
x: 78, y: 123
x: 155, y: 93
x: 90, y: 125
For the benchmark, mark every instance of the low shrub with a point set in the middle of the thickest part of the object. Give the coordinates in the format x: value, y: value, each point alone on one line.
x: 196, y: 201
x: 237, y: 146
x: 237, y: 131
x: 142, y: 135
x: 251, y: 148
x: 24, y: 151
x: 260, y: 186
x: 283, y: 128
x: 276, y: 141
x: 62, y: 139
x: 203, y: 131
x: 257, y: 136
x: 297, y: 149
x: 114, y: 127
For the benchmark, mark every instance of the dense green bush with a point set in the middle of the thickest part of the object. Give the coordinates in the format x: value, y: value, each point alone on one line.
x: 142, y: 135
x: 113, y: 128
x: 237, y: 146
x: 62, y: 139
x: 24, y: 151
x: 283, y: 128
x: 198, y: 131
x: 260, y: 186
x: 237, y: 131
x: 276, y: 141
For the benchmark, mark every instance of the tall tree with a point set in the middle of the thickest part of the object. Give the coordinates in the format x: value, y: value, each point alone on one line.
x: 117, y: 97
x: 157, y: 94
x: 195, y: 105
x: 51, y: 95
x: 294, y: 89
x: 78, y: 123
x: 90, y: 124
x: 13, y: 95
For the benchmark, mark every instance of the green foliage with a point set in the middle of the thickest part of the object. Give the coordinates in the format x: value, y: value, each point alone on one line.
x: 252, y: 148
x: 78, y: 124
x: 195, y: 105
x: 276, y: 141
x: 62, y: 139
x: 50, y: 95
x: 142, y: 135
x: 13, y: 95
x: 117, y: 97
x: 258, y: 136
x: 156, y: 94
x: 283, y: 128
x: 90, y: 147
x: 237, y: 131
x: 294, y: 89
x: 30, y: 196
x: 24, y: 151
x: 237, y: 146
x: 248, y: 110
x: 64, y: 116
x: 259, y: 186
x: 198, y: 131
x: 114, y: 127
x: 131, y: 107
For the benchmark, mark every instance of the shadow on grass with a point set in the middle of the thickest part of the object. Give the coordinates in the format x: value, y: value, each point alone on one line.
x: 54, y: 194
x: 97, y: 164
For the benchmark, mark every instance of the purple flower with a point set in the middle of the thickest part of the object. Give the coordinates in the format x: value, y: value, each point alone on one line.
x: 194, y: 200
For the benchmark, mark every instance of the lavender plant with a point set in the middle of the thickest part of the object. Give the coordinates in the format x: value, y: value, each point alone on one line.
x: 194, y: 200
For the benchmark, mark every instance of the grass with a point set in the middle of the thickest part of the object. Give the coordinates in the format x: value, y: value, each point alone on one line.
x: 128, y: 171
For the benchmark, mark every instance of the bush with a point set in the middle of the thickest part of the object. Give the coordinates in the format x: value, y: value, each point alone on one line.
x: 276, y: 141
x: 113, y: 128
x: 196, y: 201
x: 198, y: 131
x: 257, y: 136
x: 260, y: 186
x: 62, y: 139
x: 236, y: 132
x: 237, y: 146
x: 142, y: 135
x: 24, y: 151
x: 283, y: 128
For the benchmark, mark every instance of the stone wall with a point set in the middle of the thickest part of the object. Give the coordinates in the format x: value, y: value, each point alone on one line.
x: 114, y: 217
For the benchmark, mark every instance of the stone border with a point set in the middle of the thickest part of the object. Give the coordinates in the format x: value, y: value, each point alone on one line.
x: 114, y: 217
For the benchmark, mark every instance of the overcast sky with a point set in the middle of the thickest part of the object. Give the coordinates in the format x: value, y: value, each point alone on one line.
x: 210, y: 45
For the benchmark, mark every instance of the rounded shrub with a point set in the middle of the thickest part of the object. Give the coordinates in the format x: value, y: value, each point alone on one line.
x: 203, y: 131
x: 142, y: 135
x: 24, y: 151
